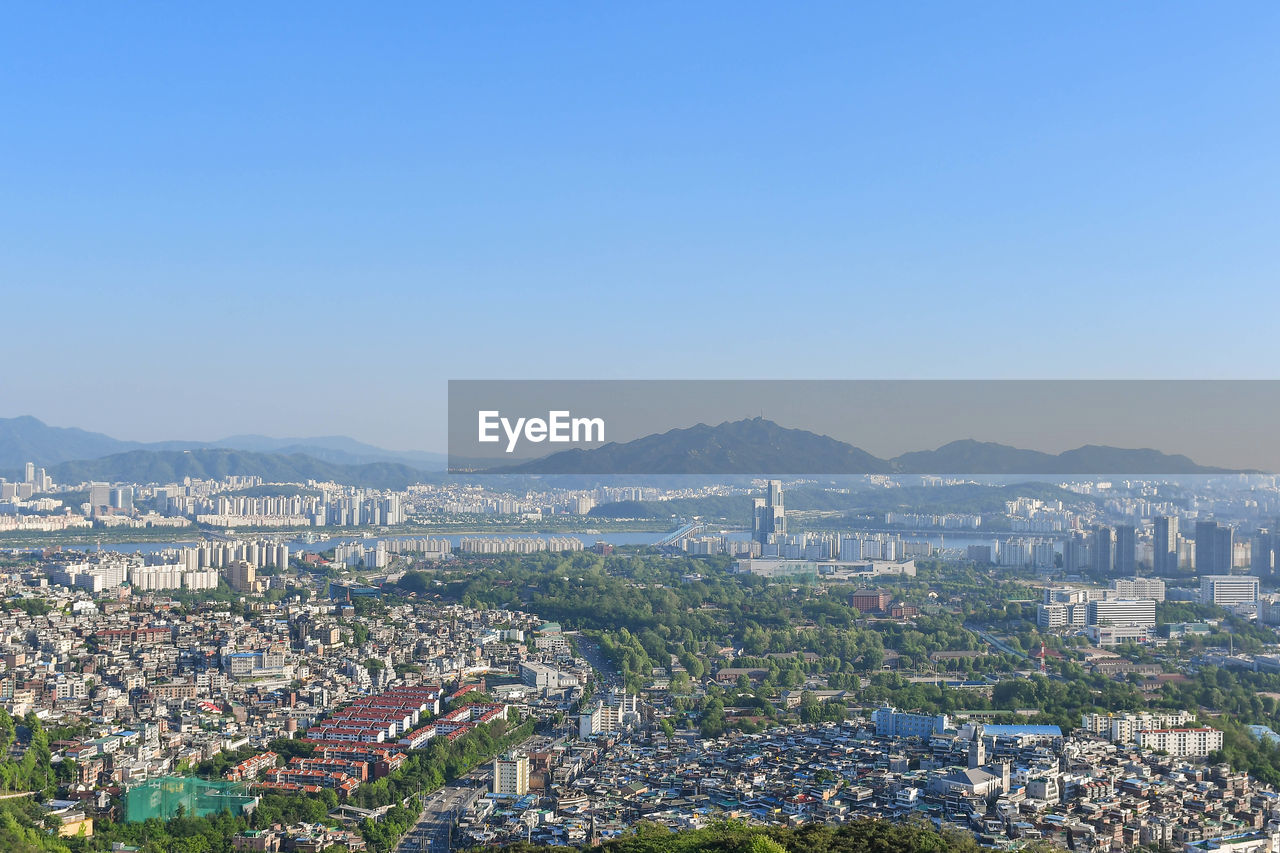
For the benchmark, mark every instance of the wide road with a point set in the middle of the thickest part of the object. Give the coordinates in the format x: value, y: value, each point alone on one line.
x: 433, y: 833
x: 442, y: 809
x: 606, y: 672
x: 995, y: 641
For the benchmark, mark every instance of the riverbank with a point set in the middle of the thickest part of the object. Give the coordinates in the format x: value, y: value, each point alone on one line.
x: 163, y: 535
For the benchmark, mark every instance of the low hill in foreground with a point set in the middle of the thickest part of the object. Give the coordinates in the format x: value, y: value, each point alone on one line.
x: 858, y: 836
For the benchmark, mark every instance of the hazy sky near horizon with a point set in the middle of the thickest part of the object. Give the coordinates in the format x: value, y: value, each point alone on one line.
x: 304, y: 218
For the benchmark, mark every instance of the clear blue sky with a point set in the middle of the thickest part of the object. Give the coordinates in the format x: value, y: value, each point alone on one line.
x: 304, y: 218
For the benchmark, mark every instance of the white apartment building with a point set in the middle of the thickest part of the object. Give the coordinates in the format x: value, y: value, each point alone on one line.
x: 1124, y: 728
x: 623, y: 710
x: 1180, y: 742
x: 1037, y: 553
x: 551, y: 643
x: 511, y: 775
x: 175, y: 576
x: 71, y: 688
x: 93, y: 577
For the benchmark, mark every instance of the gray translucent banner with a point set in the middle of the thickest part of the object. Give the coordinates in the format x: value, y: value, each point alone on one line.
x: 944, y: 427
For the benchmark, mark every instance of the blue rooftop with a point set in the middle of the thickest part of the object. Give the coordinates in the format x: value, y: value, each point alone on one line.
x: 1264, y: 733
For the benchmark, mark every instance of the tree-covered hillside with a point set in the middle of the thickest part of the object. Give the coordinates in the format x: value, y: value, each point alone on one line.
x: 859, y: 836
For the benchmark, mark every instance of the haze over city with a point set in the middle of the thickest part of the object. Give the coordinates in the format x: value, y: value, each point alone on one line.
x: 639, y: 428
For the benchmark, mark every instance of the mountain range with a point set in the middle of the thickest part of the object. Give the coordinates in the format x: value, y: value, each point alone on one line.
x: 759, y: 446
x: 27, y: 439
x: 172, y: 466
x: 747, y: 447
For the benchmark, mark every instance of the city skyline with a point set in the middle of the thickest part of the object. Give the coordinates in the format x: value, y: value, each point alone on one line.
x: 918, y: 489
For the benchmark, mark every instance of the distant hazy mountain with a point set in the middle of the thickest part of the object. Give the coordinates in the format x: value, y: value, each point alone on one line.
x: 171, y: 466
x: 969, y: 456
x: 753, y: 446
x: 1094, y: 457
x: 985, y: 457
x: 747, y: 447
x: 758, y: 446
x: 333, y: 448
x: 27, y: 439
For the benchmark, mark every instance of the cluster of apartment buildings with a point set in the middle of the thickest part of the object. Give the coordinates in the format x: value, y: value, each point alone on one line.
x: 186, y: 568
x: 229, y: 503
x: 1008, y: 784
x: 519, y: 544
x: 343, y: 508
x: 1171, y: 733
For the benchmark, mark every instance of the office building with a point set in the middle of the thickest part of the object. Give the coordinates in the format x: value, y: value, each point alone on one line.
x: 1228, y: 590
x: 1115, y: 635
x: 770, y: 517
x: 1123, y: 613
x: 1100, y: 551
x: 1164, y: 558
x: 1075, y: 553
x: 544, y: 677
x: 1152, y: 588
x: 99, y: 496
x: 1058, y: 616
x: 122, y: 498
x: 1126, y: 549
x: 1264, y: 553
x: 1069, y: 595
x: 1214, y: 545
